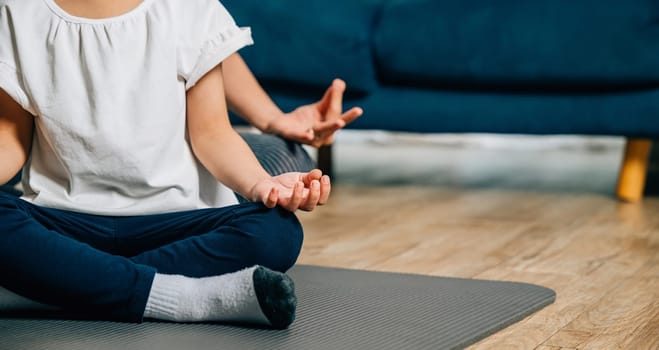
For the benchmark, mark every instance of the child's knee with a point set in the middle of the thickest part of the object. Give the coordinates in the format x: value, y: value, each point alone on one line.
x: 281, y: 246
x: 7, y: 202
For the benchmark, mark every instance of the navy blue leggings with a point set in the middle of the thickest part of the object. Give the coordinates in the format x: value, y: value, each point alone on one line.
x: 106, y: 264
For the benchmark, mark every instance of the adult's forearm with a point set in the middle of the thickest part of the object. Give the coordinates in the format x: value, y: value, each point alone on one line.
x: 245, y: 96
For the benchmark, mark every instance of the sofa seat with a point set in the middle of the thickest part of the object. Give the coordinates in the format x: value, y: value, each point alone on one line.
x: 458, y: 111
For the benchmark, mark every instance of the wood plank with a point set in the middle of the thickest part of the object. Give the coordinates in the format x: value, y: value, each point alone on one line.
x: 601, y: 256
x: 450, y: 250
x: 570, y: 338
x: 646, y: 337
x: 575, y: 294
x: 531, y: 337
x: 620, y: 314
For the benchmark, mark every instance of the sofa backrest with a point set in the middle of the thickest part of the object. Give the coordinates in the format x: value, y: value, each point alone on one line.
x: 565, y: 44
x: 310, y: 42
x: 517, y: 44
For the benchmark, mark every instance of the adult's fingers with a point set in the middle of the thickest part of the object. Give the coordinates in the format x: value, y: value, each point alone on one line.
x: 336, y: 124
x: 336, y: 100
x: 352, y: 114
x: 324, y: 140
x: 297, y: 126
x: 325, y: 101
x: 324, y: 132
x: 306, y: 137
x: 329, y: 126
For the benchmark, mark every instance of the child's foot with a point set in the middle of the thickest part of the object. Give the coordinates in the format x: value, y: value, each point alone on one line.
x: 275, y: 292
x: 255, y: 295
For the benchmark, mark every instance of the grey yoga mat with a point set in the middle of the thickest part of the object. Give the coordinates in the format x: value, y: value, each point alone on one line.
x: 337, y: 309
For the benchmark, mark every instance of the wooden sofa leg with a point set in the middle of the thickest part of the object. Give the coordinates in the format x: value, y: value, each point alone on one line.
x: 633, y: 170
x: 325, y: 160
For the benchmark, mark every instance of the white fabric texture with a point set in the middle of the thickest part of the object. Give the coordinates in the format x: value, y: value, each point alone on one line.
x: 228, y: 297
x: 108, y: 98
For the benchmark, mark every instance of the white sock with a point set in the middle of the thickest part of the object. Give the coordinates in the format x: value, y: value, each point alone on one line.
x: 10, y: 301
x: 231, y: 297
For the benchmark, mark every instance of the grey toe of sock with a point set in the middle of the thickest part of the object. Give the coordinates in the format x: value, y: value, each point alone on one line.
x: 275, y: 292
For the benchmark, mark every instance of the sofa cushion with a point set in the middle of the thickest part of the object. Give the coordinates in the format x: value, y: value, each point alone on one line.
x: 632, y: 113
x: 512, y: 43
x: 310, y: 42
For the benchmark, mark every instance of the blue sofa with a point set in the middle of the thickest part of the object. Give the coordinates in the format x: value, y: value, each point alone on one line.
x: 588, y: 67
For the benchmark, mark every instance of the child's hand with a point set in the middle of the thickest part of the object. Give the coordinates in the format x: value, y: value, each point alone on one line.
x: 293, y: 191
x: 315, y: 124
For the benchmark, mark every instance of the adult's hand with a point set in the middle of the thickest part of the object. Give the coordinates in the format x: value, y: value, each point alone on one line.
x: 315, y: 124
x: 293, y: 190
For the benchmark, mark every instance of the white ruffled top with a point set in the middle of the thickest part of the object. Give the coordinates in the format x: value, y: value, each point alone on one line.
x: 108, y: 100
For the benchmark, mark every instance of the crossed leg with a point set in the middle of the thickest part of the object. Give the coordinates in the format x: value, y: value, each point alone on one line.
x: 112, y: 266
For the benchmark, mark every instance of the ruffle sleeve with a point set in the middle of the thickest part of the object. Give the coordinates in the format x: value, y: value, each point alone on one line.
x: 206, y: 39
x: 11, y: 80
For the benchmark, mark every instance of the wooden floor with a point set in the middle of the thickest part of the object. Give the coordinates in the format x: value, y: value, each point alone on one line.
x: 543, y: 216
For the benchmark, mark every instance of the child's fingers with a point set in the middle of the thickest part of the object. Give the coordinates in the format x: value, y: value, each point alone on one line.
x: 313, y: 197
x: 314, y: 174
x: 296, y: 197
x: 325, y: 189
x: 271, y: 200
